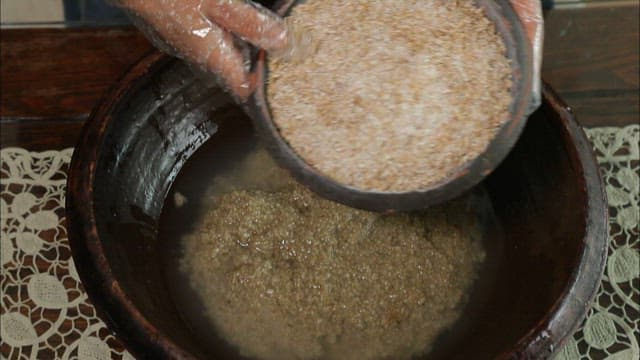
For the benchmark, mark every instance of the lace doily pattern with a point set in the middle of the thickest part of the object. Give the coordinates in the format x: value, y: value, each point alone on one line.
x: 46, y: 314
x: 45, y: 311
x: 611, y: 329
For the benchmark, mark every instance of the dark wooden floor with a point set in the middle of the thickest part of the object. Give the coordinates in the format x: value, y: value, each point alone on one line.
x: 52, y: 78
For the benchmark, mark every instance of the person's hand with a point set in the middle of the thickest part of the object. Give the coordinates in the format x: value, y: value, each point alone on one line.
x: 202, y: 32
x: 530, y: 13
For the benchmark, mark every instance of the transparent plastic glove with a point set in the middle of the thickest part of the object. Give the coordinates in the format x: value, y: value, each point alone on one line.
x: 530, y: 13
x: 202, y: 32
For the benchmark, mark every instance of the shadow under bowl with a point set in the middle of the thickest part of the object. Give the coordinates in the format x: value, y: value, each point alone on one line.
x: 547, y: 196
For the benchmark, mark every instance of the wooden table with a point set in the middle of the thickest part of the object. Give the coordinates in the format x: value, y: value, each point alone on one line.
x: 51, y: 79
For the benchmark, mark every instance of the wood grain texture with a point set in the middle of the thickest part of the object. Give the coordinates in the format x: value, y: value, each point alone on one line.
x: 40, y: 134
x: 51, y: 79
x: 591, y: 59
x: 63, y: 73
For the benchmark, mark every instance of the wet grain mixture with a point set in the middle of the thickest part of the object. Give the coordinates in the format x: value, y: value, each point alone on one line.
x: 398, y: 94
x: 284, y: 274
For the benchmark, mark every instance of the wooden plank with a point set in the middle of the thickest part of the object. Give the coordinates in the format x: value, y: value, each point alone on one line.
x: 605, y: 108
x: 591, y: 49
x: 591, y: 59
x: 63, y: 73
x: 578, y: 4
x: 40, y: 134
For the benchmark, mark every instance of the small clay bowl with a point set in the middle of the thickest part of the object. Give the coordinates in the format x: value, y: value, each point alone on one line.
x: 465, y: 177
x: 547, y: 197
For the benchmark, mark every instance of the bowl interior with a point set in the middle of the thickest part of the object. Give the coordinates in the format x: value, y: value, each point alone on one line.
x: 538, y: 195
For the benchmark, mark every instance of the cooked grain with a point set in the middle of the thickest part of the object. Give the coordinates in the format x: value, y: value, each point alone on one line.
x: 284, y: 274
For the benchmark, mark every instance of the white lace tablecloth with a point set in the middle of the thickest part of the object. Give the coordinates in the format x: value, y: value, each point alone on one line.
x: 45, y: 313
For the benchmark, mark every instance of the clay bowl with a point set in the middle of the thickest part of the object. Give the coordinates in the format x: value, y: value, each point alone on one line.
x: 547, y: 197
x: 465, y: 177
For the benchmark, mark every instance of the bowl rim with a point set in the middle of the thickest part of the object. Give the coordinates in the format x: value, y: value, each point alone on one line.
x: 585, y: 278
x: 145, y: 340
x: 111, y: 302
x: 463, y: 178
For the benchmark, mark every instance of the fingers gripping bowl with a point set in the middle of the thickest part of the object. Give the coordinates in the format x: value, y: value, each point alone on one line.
x: 546, y: 195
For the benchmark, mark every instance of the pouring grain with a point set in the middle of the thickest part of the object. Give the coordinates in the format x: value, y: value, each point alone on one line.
x: 398, y: 94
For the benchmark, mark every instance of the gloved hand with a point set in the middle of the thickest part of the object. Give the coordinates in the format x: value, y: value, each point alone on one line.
x: 530, y: 13
x: 201, y: 31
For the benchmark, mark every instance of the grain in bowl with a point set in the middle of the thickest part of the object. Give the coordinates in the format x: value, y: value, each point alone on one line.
x: 396, y: 96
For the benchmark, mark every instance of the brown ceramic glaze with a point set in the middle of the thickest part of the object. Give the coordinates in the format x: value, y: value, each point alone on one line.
x: 468, y: 175
x: 547, y: 195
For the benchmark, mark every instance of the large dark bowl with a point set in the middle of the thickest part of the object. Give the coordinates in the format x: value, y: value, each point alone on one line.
x: 547, y: 196
x: 467, y: 175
